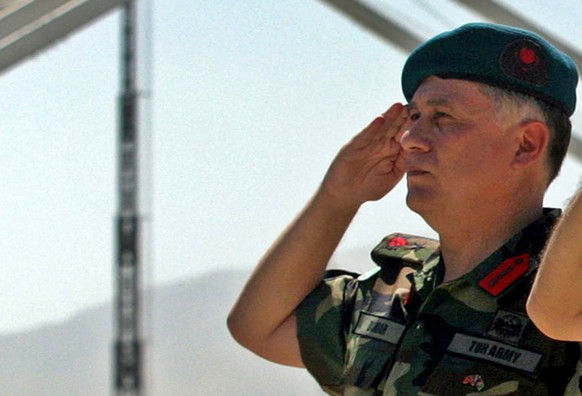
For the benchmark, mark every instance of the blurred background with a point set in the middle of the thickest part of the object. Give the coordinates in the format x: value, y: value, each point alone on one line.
x: 246, y: 105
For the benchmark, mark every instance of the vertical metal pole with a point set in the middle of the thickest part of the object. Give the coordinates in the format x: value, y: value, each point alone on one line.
x: 128, y: 346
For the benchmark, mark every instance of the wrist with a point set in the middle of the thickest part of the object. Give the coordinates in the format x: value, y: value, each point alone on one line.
x: 339, y: 205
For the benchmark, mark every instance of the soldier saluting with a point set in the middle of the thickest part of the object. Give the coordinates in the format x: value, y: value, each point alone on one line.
x: 484, y: 133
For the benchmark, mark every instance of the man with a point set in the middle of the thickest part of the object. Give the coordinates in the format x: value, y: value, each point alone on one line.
x: 555, y: 303
x: 483, y: 135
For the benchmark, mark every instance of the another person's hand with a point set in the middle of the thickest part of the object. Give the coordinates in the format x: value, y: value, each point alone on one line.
x: 370, y: 165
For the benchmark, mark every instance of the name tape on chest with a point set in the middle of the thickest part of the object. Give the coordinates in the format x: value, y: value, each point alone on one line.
x: 379, y: 328
x: 497, y: 352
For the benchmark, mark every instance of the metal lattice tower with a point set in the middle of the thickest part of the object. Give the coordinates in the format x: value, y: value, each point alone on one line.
x: 128, y: 351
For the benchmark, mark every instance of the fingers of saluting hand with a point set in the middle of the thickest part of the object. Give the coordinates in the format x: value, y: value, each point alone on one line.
x: 386, y: 128
x: 396, y: 120
x: 368, y: 166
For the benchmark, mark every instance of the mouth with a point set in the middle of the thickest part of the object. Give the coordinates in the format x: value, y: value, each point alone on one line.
x: 416, y: 172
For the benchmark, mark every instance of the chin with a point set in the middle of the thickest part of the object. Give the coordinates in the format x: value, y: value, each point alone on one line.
x: 424, y: 205
x: 417, y: 201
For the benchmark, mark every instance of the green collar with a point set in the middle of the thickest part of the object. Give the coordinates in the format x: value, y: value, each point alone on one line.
x: 502, y: 270
x: 496, y: 275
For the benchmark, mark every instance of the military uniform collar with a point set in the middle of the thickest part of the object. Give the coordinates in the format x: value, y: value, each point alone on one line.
x: 503, y: 269
x: 517, y: 258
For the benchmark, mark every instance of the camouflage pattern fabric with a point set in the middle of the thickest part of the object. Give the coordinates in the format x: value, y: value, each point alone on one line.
x: 399, y: 330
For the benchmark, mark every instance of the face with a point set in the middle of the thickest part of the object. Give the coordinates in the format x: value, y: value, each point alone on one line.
x: 457, y: 153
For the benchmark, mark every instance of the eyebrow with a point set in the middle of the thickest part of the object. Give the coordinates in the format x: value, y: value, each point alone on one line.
x: 431, y: 102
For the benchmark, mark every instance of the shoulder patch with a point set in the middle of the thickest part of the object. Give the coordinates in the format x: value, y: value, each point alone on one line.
x: 404, y: 248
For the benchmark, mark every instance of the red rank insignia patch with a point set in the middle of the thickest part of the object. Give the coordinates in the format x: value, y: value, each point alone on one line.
x: 505, y: 274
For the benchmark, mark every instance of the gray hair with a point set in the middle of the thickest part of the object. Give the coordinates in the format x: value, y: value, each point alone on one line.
x: 528, y: 108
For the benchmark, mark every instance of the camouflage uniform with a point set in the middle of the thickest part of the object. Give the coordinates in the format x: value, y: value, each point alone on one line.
x: 375, y: 335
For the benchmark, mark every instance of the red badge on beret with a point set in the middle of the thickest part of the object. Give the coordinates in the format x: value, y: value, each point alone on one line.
x: 526, y: 61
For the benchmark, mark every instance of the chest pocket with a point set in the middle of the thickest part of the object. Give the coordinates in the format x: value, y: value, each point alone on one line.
x: 503, y: 370
x: 375, y: 326
x: 510, y: 356
x: 370, y: 348
x: 474, y: 364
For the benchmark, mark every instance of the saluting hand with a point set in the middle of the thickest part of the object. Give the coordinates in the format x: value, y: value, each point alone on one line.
x: 370, y: 165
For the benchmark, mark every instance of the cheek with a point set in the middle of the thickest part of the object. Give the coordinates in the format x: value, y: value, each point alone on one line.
x: 497, y: 154
x: 478, y: 163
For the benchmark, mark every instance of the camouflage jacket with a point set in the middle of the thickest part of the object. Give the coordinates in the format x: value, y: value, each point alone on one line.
x: 399, y: 330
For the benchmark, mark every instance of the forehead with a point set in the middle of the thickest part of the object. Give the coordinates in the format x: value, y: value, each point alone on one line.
x: 435, y: 91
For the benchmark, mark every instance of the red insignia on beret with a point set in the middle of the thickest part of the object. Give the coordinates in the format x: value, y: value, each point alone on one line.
x: 525, y: 60
x: 527, y: 55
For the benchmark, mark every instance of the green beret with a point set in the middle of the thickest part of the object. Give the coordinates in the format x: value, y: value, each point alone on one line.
x: 502, y: 56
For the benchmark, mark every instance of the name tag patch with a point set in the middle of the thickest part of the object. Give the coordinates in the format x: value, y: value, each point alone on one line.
x: 379, y: 328
x: 496, y: 352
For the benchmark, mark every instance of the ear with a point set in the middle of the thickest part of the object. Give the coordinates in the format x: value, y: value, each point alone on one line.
x: 533, y: 139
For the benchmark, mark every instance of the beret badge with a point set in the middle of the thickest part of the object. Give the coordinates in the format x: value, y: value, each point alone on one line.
x: 525, y: 60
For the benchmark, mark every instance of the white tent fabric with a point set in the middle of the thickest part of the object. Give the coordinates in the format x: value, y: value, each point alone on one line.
x: 28, y: 26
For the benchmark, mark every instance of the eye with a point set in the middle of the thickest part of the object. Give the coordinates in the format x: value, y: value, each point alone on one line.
x: 440, y: 114
x: 414, y: 116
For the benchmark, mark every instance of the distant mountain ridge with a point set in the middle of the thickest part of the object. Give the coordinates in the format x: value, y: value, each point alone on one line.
x: 188, y: 353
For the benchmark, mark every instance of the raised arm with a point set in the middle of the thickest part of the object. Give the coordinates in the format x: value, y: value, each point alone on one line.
x: 555, y: 303
x: 366, y: 169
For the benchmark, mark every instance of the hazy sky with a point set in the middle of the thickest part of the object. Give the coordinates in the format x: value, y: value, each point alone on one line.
x: 251, y: 100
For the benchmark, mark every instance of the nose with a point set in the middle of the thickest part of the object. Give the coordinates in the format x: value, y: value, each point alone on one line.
x: 416, y: 137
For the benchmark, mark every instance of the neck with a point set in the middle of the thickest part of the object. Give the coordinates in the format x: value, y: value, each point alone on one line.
x: 469, y: 238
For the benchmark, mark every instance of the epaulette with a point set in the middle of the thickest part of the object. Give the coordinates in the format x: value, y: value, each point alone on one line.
x: 405, y: 249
